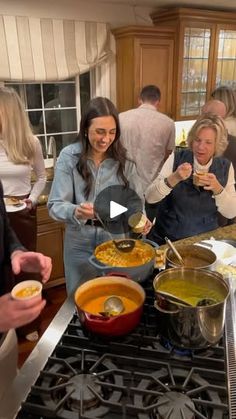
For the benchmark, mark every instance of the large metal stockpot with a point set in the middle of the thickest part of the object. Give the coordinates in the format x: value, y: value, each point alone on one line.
x: 194, y: 256
x: 139, y: 272
x: 192, y: 327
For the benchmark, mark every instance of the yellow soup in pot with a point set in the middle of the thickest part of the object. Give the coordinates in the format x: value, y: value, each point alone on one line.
x: 108, y: 254
x: 188, y: 291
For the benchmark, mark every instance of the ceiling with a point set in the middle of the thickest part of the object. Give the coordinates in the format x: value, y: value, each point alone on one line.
x: 217, y: 4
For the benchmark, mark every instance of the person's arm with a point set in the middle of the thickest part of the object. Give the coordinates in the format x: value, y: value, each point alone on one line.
x: 10, y: 240
x: 39, y: 169
x: 226, y: 199
x: 60, y: 202
x: 158, y: 189
x: 167, y: 180
x: 31, y: 262
x: 15, y: 313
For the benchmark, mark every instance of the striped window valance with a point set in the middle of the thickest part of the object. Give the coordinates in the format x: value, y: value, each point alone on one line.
x: 37, y: 49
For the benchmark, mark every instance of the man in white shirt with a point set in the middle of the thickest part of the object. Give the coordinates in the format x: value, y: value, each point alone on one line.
x: 148, y: 135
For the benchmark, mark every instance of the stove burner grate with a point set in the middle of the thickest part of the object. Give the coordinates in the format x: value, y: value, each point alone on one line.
x: 85, y: 384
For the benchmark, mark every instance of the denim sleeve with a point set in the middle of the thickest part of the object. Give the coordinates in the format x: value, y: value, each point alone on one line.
x: 61, y: 204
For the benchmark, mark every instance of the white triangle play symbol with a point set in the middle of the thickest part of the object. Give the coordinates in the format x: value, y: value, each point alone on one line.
x: 116, y: 209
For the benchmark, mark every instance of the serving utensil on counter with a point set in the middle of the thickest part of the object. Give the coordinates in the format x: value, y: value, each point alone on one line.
x: 173, y: 248
x: 123, y: 245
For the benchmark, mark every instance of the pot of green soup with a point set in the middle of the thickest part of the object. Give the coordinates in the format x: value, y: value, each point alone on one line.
x: 199, y: 324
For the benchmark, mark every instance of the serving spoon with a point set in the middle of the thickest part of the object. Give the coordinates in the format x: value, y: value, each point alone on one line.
x: 173, y: 248
x: 173, y: 298
x: 123, y: 245
x: 113, y: 305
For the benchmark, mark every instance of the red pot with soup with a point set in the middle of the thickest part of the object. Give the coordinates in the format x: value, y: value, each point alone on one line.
x: 138, y: 263
x: 91, y: 296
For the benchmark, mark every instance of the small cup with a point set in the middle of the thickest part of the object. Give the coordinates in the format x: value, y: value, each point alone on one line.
x: 196, y: 177
x: 26, y: 290
x: 137, y: 222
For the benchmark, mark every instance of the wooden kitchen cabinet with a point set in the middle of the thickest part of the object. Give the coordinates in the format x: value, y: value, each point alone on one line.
x: 50, y: 242
x: 187, y: 54
x: 144, y: 55
x: 204, y: 56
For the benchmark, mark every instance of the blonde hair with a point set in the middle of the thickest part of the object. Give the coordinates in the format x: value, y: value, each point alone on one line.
x: 16, y: 134
x: 227, y: 95
x: 217, y: 124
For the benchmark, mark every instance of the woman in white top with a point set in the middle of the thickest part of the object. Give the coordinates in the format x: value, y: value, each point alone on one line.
x: 227, y: 95
x: 20, y: 152
x: 186, y: 208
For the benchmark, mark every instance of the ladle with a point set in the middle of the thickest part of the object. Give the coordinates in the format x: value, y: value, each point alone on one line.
x: 113, y: 305
x: 173, y: 248
x: 123, y: 245
x: 173, y: 299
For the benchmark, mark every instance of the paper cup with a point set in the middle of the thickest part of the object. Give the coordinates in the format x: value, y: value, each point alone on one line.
x: 26, y: 290
x: 137, y: 222
x: 197, y: 176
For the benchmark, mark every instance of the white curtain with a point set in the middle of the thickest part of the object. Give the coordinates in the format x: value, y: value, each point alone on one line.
x: 38, y: 49
x: 104, y: 76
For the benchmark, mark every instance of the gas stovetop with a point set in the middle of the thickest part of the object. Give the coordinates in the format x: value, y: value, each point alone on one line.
x: 137, y: 376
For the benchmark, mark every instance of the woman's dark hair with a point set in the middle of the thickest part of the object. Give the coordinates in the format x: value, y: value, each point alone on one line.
x: 97, y: 107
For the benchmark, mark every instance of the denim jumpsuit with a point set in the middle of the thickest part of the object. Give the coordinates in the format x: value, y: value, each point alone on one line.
x: 66, y: 194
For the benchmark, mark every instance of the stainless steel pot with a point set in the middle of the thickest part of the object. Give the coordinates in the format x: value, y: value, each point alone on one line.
x: 192, y: 327
x: 138, y: 273
x: 194, y: 256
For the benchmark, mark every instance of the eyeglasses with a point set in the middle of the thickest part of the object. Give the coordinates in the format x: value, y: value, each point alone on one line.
x: 101, y: 132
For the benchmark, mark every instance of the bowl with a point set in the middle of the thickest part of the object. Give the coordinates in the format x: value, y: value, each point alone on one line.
x: 26, y: 290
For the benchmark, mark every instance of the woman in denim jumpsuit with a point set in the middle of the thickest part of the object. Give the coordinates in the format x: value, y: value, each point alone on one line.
x: 94, y: 162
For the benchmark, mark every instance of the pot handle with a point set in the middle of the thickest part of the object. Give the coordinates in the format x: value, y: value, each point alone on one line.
x: 153, y: 244
x: 92, y: 259
x: 118, y: 274
x: 97, y: 319
x: 162, y: 310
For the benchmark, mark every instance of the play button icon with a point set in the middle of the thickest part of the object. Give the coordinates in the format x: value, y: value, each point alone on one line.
x: 116, y: 209
x: 114, y: 205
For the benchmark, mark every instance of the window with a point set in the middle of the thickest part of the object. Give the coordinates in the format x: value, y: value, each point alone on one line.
x: 54, y: 109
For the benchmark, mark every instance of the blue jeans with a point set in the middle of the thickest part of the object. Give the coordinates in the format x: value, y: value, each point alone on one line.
x: 79, y: 245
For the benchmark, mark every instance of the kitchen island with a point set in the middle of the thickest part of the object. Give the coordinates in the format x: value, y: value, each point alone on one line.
x: 221, y: 233
x: 33, y: 366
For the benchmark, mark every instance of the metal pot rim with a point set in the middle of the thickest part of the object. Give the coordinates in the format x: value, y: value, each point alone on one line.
x: 196, y: 249
x: 214, y: 275
x: 126, y: 267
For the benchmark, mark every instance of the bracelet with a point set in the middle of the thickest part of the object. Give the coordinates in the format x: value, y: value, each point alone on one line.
x: 218, y: 193
x: 167, y: 183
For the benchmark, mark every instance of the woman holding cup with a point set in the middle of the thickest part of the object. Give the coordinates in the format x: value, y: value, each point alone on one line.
x: 194, y: 184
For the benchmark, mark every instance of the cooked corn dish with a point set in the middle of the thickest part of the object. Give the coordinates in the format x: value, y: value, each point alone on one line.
x: 108, y: 254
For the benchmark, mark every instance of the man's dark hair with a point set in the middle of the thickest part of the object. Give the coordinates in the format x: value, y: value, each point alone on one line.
x: 150, y: 93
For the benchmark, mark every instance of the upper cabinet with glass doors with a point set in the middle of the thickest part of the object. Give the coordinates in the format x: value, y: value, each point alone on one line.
x: 204, y: 55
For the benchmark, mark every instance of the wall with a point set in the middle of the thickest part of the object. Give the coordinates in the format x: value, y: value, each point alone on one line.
x: 90, y: 10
